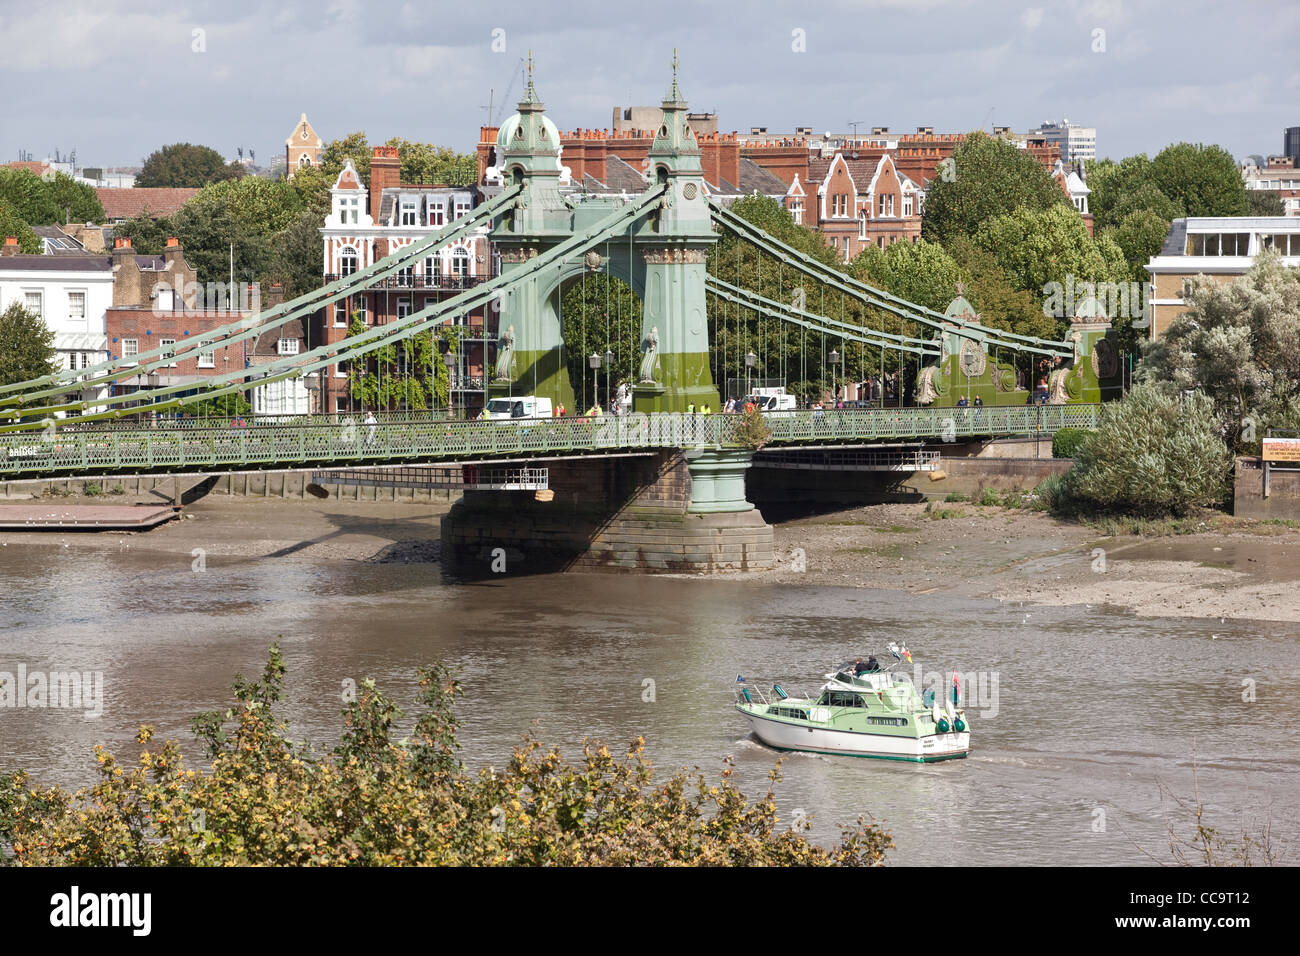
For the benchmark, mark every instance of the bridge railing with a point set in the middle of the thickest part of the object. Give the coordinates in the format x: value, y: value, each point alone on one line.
x: 398, y: 438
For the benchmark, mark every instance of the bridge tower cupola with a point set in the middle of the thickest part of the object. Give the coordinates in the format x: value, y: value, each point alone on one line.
x: 529, y: 142
x: 675, y: 151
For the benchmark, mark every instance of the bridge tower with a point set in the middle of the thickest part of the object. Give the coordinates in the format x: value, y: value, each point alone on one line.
x: 662, y: 256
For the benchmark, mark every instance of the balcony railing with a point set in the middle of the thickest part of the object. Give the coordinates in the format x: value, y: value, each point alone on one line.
x: 419, y: 283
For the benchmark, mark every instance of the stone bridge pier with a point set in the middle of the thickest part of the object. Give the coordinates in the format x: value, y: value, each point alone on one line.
x: 670, y: 512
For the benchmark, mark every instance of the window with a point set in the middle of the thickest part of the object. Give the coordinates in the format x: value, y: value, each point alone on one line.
x: 462, y: 207
x: 887, y: 204
x: 907, y: 205
x: 888, y: 721
x: 403, y: 308
x: 34, y: 302
x: 77, y: 306
x: 349, y: 207
x: 288, y: 347
x: 408, y: 212
x: 840, y: 698
x: 437, y: 212
x: 862, y: 226
x: 207, y: 359
x: 130, y: 349
x: 348, y: 261
x: 796, y: 212
x: 340, y: 314
x: 432, y: 270
x: 460, y: 263
x: 168, y: 349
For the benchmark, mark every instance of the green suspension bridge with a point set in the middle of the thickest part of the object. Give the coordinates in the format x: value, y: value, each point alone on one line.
x: 696, y: 329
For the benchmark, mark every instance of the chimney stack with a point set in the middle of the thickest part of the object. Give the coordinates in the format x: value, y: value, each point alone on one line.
x: 173, y: 252
x: 11, y: 247
x: 385, y: 173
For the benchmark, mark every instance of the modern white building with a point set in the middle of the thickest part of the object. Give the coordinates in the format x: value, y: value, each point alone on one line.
x: 71, y: 293
x: 1074, y: 142
x: 1221, y: 247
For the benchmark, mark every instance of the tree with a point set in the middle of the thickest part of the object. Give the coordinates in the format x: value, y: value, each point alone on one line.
x: 990, y: 178
x: 28, y: 196
x: 999, y: 303
x: 1139, y: 236
x: 435, y: 165
x: 75, y: 202
x: 1265, y: 202
x: 600, y: 312
x: 921, y: 272
x: 148, y: 236
x: 12, y: 224
x: 26, y: 346
x: 1035, y: 248
x: 336, y: 152
x: 298, y: 259
x: 1203, y: 180
x: 1153, y: 453
x: 186, y: 165
x: 249, y: 213
x: 1238, y: 344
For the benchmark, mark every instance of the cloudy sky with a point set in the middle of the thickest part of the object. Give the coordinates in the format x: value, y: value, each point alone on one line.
x: 115, y: 81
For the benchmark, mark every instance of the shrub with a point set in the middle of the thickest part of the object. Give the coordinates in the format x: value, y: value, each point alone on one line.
x: 267, y: 800
x: 989, y: 497
x: 1152, y: 454
x: 751, y: 429
x: 1067, y: 441
x: 957, y: 496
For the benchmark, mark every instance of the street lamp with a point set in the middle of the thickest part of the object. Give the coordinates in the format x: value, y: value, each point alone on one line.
x: 835, y: 360
x: 750, y: 361
x: 449, y: 359
x: 594, y: 361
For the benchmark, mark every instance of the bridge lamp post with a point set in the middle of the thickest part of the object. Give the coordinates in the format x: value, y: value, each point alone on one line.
x: 750, y: 361
x: 449, y: 359
x: 835, y: 389
x: 594, y: 361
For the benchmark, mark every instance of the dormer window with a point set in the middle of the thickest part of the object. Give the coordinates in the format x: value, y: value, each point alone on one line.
x: 437, y: 213
x: 348, y: 209
x: 408, y: 212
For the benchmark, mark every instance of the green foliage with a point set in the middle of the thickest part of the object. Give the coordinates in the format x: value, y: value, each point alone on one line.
x: 921, y: 272
x: 1265, y: 202
x: 409, y: 374
x: 430, y: 165
x: 229, y: 405
x: 1239, y: 344
x: 251, y: 213
x: 751, y: 428
x: 1067, y: 441
x: 1153, y: 453
x: 266, y: 800
x: 185, y: 165
x: 1035, y: 248
x: 1203, y: 180
x: 991, y: 177
x: 1139, y: 236
x: 600, y: 312
x: 28, y: 196
x: 12, y: 224
x: 75, y: 202
x: 1000, y: 304
x: 26, y: 346
x: 298, y: 254
x: 336, y: 152
x: 148, y: 236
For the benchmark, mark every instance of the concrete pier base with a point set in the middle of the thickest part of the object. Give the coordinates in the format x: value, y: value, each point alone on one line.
x: 615, y: 515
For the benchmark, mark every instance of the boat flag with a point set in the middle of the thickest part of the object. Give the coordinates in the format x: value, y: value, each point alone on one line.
x: 956, y: 688
x: 739, y: 679
x: 907, y: 654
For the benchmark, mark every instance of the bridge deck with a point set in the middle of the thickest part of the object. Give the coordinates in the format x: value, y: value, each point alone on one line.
x: 186, y: 448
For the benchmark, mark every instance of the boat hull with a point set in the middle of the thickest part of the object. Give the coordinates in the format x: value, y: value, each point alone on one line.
x: 786, y: 735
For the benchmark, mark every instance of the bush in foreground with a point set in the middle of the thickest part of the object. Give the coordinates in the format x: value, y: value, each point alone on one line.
x: 1066, y: 442
x: 1152, y: 454
x: 373, y: 801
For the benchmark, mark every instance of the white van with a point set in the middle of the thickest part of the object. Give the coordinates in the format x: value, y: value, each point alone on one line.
x: 773, y: 400
x: 524, y: 406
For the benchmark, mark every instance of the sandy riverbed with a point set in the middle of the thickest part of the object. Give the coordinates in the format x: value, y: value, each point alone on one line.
x: 1249, y: 571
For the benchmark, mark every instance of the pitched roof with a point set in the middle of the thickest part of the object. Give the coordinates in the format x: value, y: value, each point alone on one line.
x: 151, y: 202
x: 755, y: 179
x: 39, y: 263
x: 39, y: 167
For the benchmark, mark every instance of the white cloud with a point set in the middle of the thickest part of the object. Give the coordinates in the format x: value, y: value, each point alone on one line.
x: 1032, y: 18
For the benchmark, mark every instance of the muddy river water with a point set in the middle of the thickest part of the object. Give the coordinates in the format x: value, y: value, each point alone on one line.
x: 1085, y: 713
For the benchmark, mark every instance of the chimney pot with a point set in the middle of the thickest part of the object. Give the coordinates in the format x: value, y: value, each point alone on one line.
x: 172, y: 242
